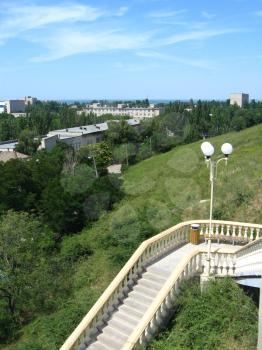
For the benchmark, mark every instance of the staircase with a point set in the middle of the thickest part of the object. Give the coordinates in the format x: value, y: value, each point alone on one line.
x: 138, y: 301
x: 128, y: 315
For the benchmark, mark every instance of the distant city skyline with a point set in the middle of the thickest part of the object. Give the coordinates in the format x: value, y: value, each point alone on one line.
x: 160, y: 49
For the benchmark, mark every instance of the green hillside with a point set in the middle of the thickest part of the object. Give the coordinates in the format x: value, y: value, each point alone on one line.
x: 159, y: 192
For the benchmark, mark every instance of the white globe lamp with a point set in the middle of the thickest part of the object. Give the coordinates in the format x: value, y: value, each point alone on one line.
x: 227, y: 149
x: 207, y: 149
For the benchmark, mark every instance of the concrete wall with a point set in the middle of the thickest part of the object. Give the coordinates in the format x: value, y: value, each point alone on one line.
x: 239, y: 99
x: 49, y: 142
x: 15, y: 106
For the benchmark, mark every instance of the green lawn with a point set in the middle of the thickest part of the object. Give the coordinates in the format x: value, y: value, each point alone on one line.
x: 160, y: 192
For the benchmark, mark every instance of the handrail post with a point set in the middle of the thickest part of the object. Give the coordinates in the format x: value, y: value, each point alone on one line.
x: 259, y: 341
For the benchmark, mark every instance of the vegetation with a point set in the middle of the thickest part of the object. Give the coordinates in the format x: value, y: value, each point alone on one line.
x: 157, y: 193
x: 222, y: 317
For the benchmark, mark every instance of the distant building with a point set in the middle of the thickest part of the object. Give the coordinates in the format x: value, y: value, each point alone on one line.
x: 79, y: 136
x: 2, y: 107
x: 30, y: 100
x: 239, y: 99
x: 17, y: 107
x: 8, y: 146
x: 123, y: 110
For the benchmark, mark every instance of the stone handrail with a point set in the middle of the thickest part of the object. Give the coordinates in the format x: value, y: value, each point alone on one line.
x: 159, y: 309
x: 192, y: 264
x: 146, y: 253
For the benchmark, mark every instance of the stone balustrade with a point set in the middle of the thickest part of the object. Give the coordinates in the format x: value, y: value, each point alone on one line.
x: 222, y: 264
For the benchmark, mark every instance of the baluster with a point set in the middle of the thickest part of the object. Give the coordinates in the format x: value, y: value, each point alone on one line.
x: 201, y: 230
x: 212, y: 264
x: 148, y: 335
x: 230, y: 265
x: 217, y: 232
x: 222, y: 233
x: 206, y: 233
x: 142, y: 339
x: 219, y: 264
x: 245, y: 233
x: 234, y: 234
x: 240, y: 232
x: 224, y: 266
x: 228, y: 231
x: 159, y: 318
x: 163, y: 310
x: 251, y: 237
x: 257, y: 233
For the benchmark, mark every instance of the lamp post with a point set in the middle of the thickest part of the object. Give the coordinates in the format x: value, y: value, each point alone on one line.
x: 94, y: 162
x: 208, y: 151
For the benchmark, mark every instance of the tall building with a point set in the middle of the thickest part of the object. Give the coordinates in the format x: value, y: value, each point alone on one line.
x: 29, y: 100
x: 15, y: 106
x: 240, y: 99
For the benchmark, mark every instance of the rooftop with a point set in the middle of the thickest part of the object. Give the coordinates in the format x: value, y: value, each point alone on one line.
x: 8, y: 155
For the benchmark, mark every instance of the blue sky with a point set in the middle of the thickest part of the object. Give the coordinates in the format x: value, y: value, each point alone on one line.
x: 168, y: 49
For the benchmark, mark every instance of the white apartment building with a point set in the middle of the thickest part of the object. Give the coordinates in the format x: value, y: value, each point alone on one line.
x: 123, y: 110
x: 2, y: 107
x: 239, y: 98
x: 17, y: 107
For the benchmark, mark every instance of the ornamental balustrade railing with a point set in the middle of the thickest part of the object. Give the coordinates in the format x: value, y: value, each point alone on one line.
x: 159, y: 311
x: 149, y: 251
x: 249, y: 259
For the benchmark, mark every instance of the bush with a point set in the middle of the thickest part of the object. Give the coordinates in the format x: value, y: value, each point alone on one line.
x: 222, y: 317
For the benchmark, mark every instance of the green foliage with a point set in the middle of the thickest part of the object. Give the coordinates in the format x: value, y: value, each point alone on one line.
x: 221, y: 317
x: 120, y: 132
x: 158, y: 193
x: 24, y: 288
x: 27, y: 143
x: 100, y: 151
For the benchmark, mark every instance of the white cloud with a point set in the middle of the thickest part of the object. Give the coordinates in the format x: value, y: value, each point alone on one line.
x: 208, y: 15
x: 66, y: 43
x: 198, y: 35
x: 199, y: 63
x: 165, y: 14
x: 122, y: 11
x: 17, y: 19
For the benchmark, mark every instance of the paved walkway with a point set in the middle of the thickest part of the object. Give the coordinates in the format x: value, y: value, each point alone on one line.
x: 169, y: 262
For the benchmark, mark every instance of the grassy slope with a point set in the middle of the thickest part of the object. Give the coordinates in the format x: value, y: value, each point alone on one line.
x: 160, y: 192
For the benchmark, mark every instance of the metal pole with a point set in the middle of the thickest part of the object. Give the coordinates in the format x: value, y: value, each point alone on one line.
x: 259, y: 342
x: 94, y: 162
x: 212, y: 170
x: 126, y: 155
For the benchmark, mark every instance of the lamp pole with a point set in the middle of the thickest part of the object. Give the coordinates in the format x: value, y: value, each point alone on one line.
x: 94, y: 163
x: 208, y: 151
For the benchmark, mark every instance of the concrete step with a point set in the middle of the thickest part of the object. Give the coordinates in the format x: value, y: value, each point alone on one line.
x: 151, y: 276
x: 123, y: 325
x: 146, y: 290
x: 123, y: 316
x: 148, y: 283
x: 160, y: 272
x: 135, y: 305
x: 131, y: 311
x: 111, y: 341
x: 114, y: 331
x: 141, y: 298
x: 99, y: 346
